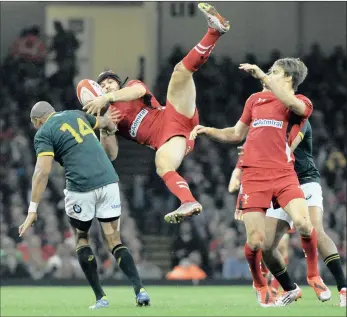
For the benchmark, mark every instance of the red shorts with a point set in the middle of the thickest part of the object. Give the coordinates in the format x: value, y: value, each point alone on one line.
x: 261, y: 186
x: 175, y: 124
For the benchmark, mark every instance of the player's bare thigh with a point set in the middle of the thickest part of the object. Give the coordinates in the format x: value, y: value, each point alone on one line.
x: 170, y: 155
x: 181, y: 92
x: 111, y: 233
x: 275, y: 229
x: 255, y: 228
x: 283, y: 245
x: 298, y: 211
x: 316, y: 217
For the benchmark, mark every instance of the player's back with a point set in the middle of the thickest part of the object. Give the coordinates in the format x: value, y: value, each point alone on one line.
x: 304, y: 165
x: 70, y: 136
x: 267, y: 141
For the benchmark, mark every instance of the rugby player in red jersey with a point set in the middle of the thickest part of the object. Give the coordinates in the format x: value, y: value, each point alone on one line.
x: 279, y: 225
x: 165, y: 129
x: 268, y: 171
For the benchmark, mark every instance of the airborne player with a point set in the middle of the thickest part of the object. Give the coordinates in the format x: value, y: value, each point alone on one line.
x: 165, y: 129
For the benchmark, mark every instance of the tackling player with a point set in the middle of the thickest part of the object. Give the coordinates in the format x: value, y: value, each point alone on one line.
x: 91, y: 187
x: 268, y: 170
x: 277, y: 227
x: 165, y: 129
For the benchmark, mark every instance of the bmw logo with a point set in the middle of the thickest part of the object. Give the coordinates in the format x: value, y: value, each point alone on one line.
x: 77, y: 209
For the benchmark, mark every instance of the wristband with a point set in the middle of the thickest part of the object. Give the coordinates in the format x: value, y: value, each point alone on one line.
x: 33, y: 207
x: 106, y: 132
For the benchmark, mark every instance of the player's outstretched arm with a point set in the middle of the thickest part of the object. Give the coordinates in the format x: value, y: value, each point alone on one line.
x: 108, y: 129
x: 125, y: 94
x: 110, y: 144
x: 228, y: 135
x: 39, y: 183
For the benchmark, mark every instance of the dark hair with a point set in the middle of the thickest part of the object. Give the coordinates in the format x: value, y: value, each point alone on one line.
x: 295, y: 68
x: 110, y: 74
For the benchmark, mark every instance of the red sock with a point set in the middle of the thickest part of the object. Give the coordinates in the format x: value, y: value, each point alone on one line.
x: 264, y: 269
x: 254, y: 258
x: 200, y: 53
x: 309, y: 245
x: 178, y: 186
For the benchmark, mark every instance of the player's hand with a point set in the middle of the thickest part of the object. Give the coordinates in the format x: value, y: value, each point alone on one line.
x: 114, y: 115
x: 199, y: 129
x: 238, y: 215
x: 29, y: 221
x: 234, y: 185
x: 254, y: 70
x: 240, y: 150
x: 96, y: 105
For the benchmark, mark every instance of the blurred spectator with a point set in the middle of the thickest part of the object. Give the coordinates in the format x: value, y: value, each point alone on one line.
x: 29, y: 47
x: 187, y: 241
x: 188, y: 269
x: 62, y: 265
x: 65, y: 46
x: 235, y: 265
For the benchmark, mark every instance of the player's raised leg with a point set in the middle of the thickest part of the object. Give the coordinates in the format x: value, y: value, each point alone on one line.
x: 87, y: 261
x: 111, y: 234
x: 275, y: 229
x: 255, y: 229
x: 181, y: 91
x: 181, y: 95
x: 298, y: 211
x: 329, y: 253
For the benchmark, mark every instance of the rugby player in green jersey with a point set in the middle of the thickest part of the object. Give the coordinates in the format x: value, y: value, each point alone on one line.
x: 278, y: 222
x: 91, y: 187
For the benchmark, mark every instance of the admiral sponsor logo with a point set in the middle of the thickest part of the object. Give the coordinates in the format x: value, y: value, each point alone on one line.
x: 267, y: 123
x: 136, y: 123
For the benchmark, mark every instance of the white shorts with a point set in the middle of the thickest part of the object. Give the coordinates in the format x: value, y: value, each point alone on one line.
x: 103, y: 202
x: 314, y: 198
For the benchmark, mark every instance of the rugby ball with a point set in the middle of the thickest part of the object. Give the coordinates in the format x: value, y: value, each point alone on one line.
x: 87, y: 90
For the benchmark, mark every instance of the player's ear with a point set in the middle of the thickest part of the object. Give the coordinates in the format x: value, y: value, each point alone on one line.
x: 289, y: 79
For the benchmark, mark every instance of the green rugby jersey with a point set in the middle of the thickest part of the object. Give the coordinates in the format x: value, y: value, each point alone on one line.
x: 69, y: 137
x: 304, y: 164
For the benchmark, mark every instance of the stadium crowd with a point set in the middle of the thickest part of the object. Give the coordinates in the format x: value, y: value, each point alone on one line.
x: 214, y: 241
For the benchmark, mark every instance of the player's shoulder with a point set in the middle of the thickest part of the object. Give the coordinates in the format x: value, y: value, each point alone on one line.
x: 75, y: 112
x: 255, y: 96
x: 44, y: 132
x: 134, y: 82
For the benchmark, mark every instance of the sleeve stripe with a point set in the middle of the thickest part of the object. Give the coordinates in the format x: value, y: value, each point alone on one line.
x: 45, y: 154
x: 302, y: 135
x: 96, y: 124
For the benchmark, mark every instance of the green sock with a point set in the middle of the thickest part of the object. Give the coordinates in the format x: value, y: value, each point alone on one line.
x: 89, y: 266
x: 127, y: 265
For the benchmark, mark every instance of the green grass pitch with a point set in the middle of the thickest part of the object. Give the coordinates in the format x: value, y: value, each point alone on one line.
x: 166, y: 301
